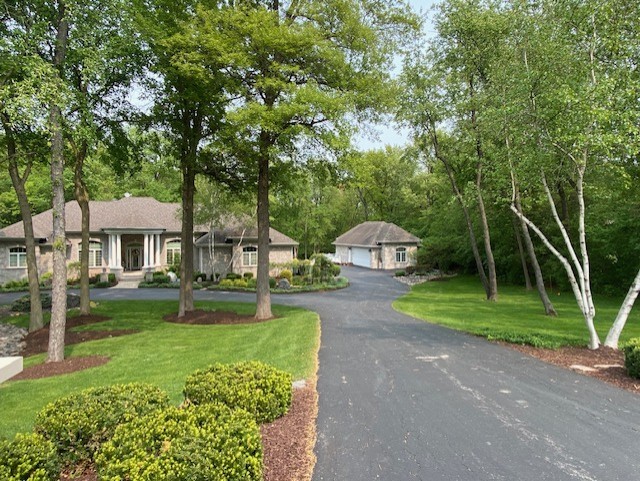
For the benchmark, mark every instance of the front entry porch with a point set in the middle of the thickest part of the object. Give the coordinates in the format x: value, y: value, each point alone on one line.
x: 133, y: 251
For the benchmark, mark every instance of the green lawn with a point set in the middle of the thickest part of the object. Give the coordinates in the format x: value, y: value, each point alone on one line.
x: 164, y: 354
x: 518, y: 315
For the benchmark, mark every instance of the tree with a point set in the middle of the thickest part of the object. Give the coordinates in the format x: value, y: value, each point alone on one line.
x: 189, y: 109
x: 302, y: 68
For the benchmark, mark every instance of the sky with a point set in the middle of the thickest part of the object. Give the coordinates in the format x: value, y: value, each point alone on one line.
x: 391, y: 134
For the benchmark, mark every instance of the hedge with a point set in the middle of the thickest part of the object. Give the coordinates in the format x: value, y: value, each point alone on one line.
x: 197, y: 443
x: 631, y: 351
x: 258, y: 388
x: 29, y: 457
x: 79, y: 423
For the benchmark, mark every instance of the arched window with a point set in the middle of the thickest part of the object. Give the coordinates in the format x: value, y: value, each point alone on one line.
x: 95, y: 254
x: 250, y: 256
x: 173, y: 253
x: 18, y: 257
x: 401, y: 254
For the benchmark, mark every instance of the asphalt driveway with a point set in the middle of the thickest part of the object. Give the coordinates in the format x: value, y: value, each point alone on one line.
x: 401, y: 399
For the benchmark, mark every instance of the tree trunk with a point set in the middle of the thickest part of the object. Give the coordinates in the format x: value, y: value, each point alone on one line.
x: 625, y: 309
x: 523, y: 257
x: 492, y: 294
x: 263, y: 294
x: 35, y: 315
x: 59, y: 286
x: 186, y: 239
x: 82, y: 197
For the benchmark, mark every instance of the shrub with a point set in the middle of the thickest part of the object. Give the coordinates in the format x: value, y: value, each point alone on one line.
x: 335, y: 270
x: 101, y: 285
x: 248, y: 275
x: 77, y: 424
x: 252, y: 283
x: 23, y: 304
x: 410, y: 270
x: 29, y: 457
x: 160, y: 278
x: 631, y: 351
x: 196, y: 443
x: 226, y: 283
x: 286, y: 274
x: 240, y: 283
x: 232, y: 276
x: 258, y: 388
x: 17, y: 284
x: 199, y: 275
x: 112, y: 278
x: 400, y: 273
x: 272, y: 283
x: 297, y: 281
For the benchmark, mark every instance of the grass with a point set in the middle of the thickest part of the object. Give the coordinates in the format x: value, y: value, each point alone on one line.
x: 164, y: 353
x: 518, y: 316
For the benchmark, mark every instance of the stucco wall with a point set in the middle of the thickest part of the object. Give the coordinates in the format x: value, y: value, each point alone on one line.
x: 43, y: 258
x: 389, y: 256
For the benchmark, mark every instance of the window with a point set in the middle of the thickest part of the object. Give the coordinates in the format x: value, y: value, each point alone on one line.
x: 173, y: 253
x: 401, y: 255
x: 95, y: 254
x: 250, y: 256
x: 18, y: 257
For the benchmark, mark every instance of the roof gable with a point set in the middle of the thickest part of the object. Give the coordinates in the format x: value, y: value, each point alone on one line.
x: 375, y: 233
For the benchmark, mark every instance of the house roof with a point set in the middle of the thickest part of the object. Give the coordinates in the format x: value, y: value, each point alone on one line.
x: 375, y: 233
x: 245, y: 234
x: 135, y: 213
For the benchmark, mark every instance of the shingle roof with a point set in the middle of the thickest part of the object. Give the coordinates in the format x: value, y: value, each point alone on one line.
x: 374, y: 233
x: 247, y: 234
x: 126, y: 213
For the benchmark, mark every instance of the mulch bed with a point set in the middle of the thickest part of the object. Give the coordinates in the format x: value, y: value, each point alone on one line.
x: 287, y: 442
x: 67, y: 366
x: 38, y: 341
x: 605, y: 361
x: 199, y: 316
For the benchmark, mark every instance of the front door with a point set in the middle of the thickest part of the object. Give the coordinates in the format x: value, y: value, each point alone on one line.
x: 133, y: 261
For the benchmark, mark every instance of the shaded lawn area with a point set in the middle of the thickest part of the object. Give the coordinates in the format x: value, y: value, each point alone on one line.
x: 164, y: 353
x: 518, y: 316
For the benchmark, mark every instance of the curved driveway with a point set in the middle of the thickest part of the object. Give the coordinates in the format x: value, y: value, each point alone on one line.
x: 401, y: 399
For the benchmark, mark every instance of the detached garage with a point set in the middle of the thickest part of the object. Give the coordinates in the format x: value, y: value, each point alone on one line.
x: 377, y: 245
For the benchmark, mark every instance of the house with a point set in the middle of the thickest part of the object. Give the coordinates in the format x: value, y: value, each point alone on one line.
x: 137, y: 235
x: 377, y: 245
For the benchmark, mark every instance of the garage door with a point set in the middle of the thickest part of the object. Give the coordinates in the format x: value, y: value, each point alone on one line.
x: 361, y: 257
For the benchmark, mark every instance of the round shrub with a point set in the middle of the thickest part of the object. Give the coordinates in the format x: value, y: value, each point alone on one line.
x: 197, y: 443
x: 272, y: 283
x: 29, y: 457
x: 252, y: 283
x: 226, y: 283
x: 258, y: 388
x: 240, y: 283
x: 248, y: 275
x: 632, y: 357
x: 335, y: 270
x: 287, y: 274
x: 77, y: 424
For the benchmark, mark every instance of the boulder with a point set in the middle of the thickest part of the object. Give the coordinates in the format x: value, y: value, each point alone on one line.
x: 284, y: 284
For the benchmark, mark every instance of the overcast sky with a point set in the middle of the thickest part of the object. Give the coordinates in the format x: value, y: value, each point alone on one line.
x: 390, y: 134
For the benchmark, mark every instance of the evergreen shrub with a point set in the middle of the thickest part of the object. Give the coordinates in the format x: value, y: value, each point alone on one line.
x: 79, y: 423
x: 631, y: 351
x: 286, y: 274
x: 262, y: 390
x: 29, y: 457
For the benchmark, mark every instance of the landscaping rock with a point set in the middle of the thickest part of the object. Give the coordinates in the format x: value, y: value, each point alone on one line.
x: 11, y: 340
x: 172, y: 277
x: 284, y: 284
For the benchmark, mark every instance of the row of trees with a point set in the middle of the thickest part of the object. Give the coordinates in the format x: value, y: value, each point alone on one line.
x: 534, y: 106
x: 243, y: 91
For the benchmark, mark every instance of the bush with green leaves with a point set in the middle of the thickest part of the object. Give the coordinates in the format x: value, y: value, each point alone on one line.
x: 400, y: 273
x: 335, y: 270
x: 252, y: 283
x: 272, y: 283
x: 232, y: 276
x: 240, y: 283
x: 248, y: 275
x: 197, y: 443
x: 258, y: 388
x: 226, y: 283
x: 29, y: 457
x: 286, y: 274
x: 631, y: 351
x: 79, y: 423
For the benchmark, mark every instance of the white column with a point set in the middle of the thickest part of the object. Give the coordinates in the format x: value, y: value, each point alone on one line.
x: 145, y: 247
x: 157, y: 262
x: 112, y: 250
x: 118, y: 250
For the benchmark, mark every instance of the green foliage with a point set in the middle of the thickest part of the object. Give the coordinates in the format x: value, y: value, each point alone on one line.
x: 240, y: 283
x: 226, y: 283
x: 631, y: 351
x: 79, y: 423
x: 400, y: 274
x: 232, y: 276
x: 252, y: 283
x: 248, y: 275
x: 23, y: 304
x: 258, y: 388
x: 161, y: 278
x: 272, y: 283
x: 286, y: 274
x: 335, y: 270
x: 196, y: 443
x: 29, y: 457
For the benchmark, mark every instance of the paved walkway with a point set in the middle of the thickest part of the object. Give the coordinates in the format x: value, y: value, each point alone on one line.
x: 401, y: 399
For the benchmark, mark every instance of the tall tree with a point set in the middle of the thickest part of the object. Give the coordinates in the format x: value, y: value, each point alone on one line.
x: 302, y: 68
